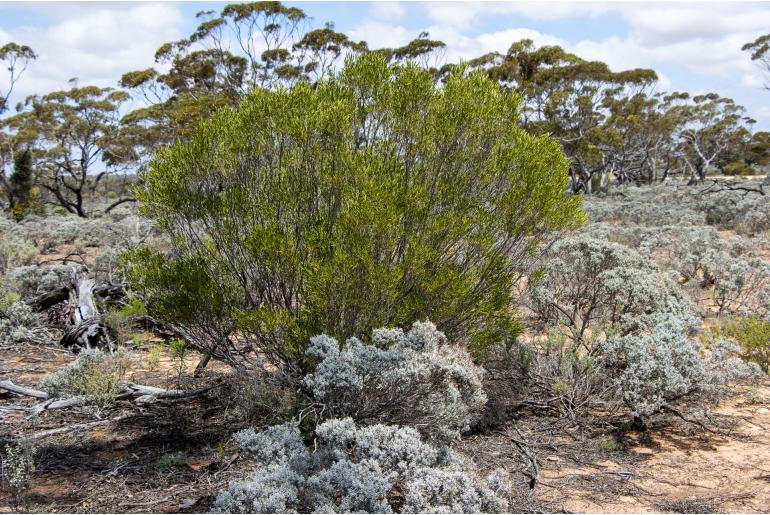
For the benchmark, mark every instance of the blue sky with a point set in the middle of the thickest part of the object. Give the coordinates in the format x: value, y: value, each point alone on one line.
x: 694, y: 46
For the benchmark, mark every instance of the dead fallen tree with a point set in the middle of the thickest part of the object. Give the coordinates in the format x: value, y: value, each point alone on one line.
x: 85, y: 329
x: 140, y: 394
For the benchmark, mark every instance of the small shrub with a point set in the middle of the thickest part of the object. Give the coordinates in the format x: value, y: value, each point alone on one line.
x: 354, y: 469
x: 651, y: 370
x: 179, y: 350
x: 256, y: 400
x: 753, y: 336
x: 414, y: 378
x: 120, y: 320
x: 170, y: 461
x: 588, y: 281
x: 94, y: 375
x: 17, y: 466
x: 15, y: 253
x: 20, y: 324
x: 565, y: 374
x: 725, y: 365
x: 736, y: 281
x: 154, y: 353
x: 31, y: 281
x: 609, y: 445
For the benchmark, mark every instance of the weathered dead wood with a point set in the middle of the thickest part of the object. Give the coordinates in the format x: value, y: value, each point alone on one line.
x: 50, y: 299
x: 73, y: 427
x: 119, y: 202
x: 22, y: 390
x: 521, y: 443
x: 110, y: 293
x: 85, y: 329
x: 141, y: 394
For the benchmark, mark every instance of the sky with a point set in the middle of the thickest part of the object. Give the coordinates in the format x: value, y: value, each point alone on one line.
x: 693, y: 46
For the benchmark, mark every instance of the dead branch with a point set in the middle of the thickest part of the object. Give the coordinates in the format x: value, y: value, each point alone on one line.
x: 50, y: 299
x: 524, y: 448
x: 22, y: 390
x: 718, y: 186
x: 119, y: 202
x: 74, y: 427
x: 141, y: 394
x: 679, y: 414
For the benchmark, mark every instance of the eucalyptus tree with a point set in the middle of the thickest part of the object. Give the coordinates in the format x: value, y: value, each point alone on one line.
x: 760, y: 52
x: 15, y: 59
x: 565, y: 96
x: 75, y: 142
x: 245, y: 46
x: 708, y: 128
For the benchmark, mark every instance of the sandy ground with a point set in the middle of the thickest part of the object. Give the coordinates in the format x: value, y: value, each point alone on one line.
x: 727, y: 472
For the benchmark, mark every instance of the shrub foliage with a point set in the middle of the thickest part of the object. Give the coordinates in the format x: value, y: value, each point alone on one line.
x: 373, y: 199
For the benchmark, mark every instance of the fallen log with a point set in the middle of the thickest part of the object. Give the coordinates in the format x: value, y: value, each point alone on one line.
x: 74, y: 427
x: 50, y: 299
x: 139, y: 393
x: 22, y: 390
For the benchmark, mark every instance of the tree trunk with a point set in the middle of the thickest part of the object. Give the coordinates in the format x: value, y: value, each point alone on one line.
x: 85, y: 329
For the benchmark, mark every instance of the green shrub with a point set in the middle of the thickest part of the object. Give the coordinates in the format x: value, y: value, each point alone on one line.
x: 17, y: 466
x: 120, y: 321
x: 254, y: 399
x: 609, y: 445
x: 374, y: 199
x: 753, y: 335
x: 94, y: 375
x: 154, y: 353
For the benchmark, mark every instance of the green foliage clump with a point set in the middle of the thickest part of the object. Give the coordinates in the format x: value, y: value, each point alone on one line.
x: 94, y: 375
x: 373, y: 199
x: 753, y: 336
x: 17, y: 466
x: 254, y: 399
x: 609, y: 445
x: 120, y: 320
x: 25, y: 198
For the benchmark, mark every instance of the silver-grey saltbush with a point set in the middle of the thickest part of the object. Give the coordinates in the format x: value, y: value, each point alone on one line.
x: 356, y: 469
x: 413, y: 378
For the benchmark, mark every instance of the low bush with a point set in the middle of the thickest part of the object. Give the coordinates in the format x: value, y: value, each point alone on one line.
x: 32, y: 281
x: 415, y: 378
x: 650, y: 370
x: 17, y: 464
x: 725, y: 363
x: 94, y: 375
x: 753, y: 336
x: 19, y: 324
x: 353, y: 469
x: 15, y: 252
x: 588, y: 282
x: 254, y: 399
x: 119, y: 320
x: 564, y: 375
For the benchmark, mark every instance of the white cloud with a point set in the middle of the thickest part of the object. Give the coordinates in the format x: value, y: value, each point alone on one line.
x: 382, y: 35
x: 460, y: 14
x: 388, y: 10
x: 460, y: 46
x: 96, y: 44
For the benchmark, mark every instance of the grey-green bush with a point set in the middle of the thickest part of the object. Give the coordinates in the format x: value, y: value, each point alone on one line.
x: 356, y: 469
